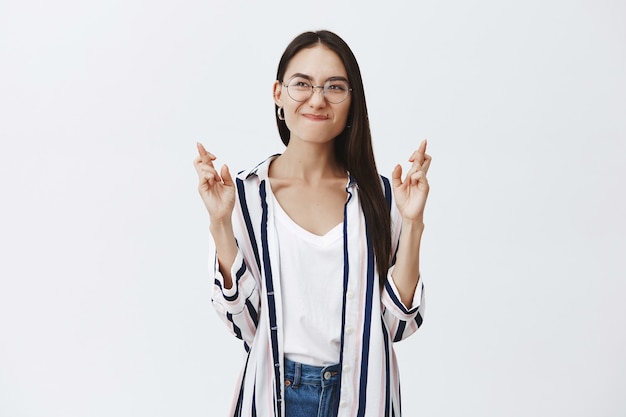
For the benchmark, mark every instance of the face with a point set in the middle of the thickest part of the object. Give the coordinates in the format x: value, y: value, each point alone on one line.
x: 315, y: 119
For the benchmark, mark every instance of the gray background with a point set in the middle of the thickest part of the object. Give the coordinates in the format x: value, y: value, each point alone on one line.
x: 104, y: 287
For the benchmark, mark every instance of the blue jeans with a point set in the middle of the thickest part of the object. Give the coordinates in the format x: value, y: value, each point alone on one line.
x: 311, y: 391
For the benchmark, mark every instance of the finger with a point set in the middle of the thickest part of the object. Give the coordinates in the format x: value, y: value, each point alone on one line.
x: 226, y: 177
x: 418, y: 158
x: 419, y: 179
x: 426, y: 164
x: 396, y: 176
x: 211, y: 178
x: 207, y: 174
x: 420, y: 151
x: 211, y: 172
x: 423, y: 184
x: 415, y: 167
x: 199, y: 162
x: 415, y: 177
x: 202, y: 150
x: 410, y: 179
x: 201, y: 167
x: 206, y: 156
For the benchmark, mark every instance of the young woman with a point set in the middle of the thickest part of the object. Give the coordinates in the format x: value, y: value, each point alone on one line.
x: 316, y: 261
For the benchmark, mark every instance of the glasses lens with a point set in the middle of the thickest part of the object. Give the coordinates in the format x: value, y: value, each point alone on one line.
x: 336, y: 91
x: 299, y: 89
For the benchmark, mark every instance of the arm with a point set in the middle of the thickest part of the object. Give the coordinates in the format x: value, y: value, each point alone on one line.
x: 235, y: 296
x: 406, y: 271
x: 403, y: 295
x: 218, y: 195
x: 410, y: 196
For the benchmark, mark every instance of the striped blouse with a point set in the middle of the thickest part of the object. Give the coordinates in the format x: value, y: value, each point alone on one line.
x: 371, y: 319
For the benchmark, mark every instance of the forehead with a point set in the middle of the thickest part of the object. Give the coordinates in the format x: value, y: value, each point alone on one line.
x: 318, y: 62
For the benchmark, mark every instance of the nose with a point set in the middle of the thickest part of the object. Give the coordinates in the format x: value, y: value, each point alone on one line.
x: 317, y: 99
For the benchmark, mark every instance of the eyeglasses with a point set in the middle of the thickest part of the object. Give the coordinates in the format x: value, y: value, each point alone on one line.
x: 334, y: 90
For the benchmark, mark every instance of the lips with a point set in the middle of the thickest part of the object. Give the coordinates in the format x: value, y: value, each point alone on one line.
x: 315, y: 117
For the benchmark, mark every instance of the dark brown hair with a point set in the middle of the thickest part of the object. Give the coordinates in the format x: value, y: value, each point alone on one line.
x: 353, y: 146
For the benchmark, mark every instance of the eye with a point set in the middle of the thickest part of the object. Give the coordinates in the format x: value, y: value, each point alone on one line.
x: 300, y: 83
x: 337, y: 86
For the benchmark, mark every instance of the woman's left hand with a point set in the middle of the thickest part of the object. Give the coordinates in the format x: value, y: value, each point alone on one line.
x: 411, y: 194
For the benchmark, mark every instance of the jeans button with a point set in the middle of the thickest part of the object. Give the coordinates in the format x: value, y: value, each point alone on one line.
x: 327, y: 375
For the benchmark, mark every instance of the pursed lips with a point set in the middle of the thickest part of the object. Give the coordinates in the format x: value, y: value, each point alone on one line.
x: 315, y: 116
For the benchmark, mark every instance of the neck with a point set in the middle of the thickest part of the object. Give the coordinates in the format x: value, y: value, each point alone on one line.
x: 308, y: 161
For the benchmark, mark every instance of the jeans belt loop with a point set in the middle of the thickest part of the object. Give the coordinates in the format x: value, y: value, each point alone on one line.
x: 297, y: 375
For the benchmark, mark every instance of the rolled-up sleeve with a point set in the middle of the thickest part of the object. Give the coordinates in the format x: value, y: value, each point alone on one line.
x: 237, y: 306
x: 402, y: 321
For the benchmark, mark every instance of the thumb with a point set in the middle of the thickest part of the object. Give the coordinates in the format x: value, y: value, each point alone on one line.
x: 396, y: 176
x: 226, y: 177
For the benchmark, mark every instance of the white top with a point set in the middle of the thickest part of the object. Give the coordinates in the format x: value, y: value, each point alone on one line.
x: 311, y: 277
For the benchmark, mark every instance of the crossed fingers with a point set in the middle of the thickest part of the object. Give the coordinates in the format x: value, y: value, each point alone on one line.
x: 204, y: 166
x: 420, y: 159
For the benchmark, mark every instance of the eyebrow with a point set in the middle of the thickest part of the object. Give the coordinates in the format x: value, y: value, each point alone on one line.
x: 308, y: 77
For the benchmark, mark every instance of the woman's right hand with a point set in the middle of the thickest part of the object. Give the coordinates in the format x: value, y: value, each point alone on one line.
x: 217, y: 191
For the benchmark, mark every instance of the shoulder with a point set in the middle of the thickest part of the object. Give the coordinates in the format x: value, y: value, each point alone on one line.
x: 385, y: 184
x: 251, y: 186
x: 257, y: 173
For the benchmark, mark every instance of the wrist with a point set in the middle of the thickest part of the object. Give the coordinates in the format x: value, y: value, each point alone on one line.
x: 413, y: 224
x: 220, y: 225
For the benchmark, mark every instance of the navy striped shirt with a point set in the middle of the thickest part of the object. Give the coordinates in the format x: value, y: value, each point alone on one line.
x: 371, y: 319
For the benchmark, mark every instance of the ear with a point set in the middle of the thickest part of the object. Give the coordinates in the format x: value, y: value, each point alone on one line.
x: 278, y: 90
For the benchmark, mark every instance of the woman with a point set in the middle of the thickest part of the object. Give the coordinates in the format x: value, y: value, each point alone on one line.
x: 311, y: 270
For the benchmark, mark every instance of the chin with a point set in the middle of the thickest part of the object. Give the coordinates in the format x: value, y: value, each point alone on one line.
x: 320, y: 137
x: 317, y: 139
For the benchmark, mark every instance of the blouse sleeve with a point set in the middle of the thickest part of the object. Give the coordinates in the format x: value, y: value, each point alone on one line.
x: 402, y: 321
x: 237, y: 306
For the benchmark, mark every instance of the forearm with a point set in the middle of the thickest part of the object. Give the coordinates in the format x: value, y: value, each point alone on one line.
x: 407, y: 267
x: 226, y: 247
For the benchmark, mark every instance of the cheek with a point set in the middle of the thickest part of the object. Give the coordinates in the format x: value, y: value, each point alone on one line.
x: 344, y: 112
x: 290, y: 110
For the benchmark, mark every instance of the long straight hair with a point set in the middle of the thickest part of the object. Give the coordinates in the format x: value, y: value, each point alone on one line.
x: 353, y: 146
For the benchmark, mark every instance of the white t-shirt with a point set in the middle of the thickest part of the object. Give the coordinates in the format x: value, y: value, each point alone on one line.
x: 311, y: 271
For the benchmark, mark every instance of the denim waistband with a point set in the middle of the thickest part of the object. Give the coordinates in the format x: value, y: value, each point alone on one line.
x: 297, y: 373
